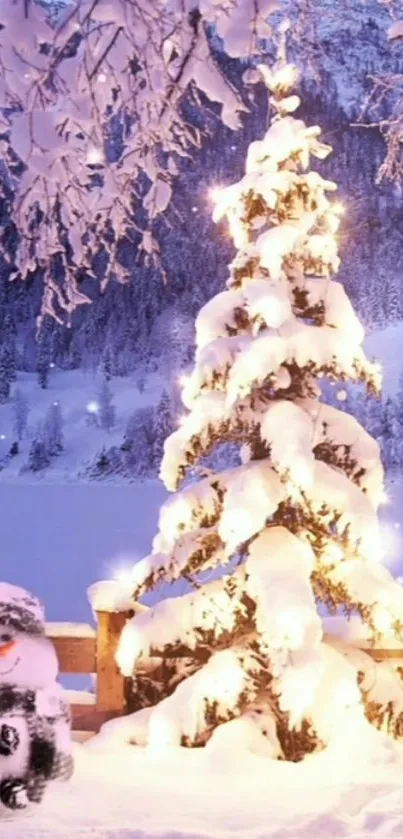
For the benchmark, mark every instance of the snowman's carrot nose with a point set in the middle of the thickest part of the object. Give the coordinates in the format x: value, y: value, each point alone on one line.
x: 5, y: 649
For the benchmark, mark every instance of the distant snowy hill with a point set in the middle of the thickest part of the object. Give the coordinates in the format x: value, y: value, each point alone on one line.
x: 77, y: 394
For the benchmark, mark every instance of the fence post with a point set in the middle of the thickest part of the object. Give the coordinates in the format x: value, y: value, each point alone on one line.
x: 111, y: 685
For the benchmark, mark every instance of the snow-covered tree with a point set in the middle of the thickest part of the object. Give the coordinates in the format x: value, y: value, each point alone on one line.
x: 295, y: 525
x: 164, y: 422
x: 8, y: 335
x: 106, y: 365
x: 53, y: 429
x: 91, y: 103
x: 138, y: 444
x: 39, y: 457
x: 5, y: 380
x: 20, y: 413
x: 106, y: 410
x: 44, y: 354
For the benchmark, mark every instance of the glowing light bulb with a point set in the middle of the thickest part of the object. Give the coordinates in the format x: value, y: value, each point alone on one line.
x: 94, y: 156
x: 93, y: 407
x: 338, y: 208
x: 123, y: 575
x: 215, y: 193
x: 348, y: 693
x: 382, y: 618
x: 332, y: 553
x: 2, y: 436
x: 102, y: 78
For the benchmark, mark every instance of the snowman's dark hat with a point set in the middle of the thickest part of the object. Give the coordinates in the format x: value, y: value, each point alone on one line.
x: 20, y: 610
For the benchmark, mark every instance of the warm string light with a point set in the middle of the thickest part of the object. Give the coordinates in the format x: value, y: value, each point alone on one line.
x: 123, y: 575
x: 338, y: 208
x: 94, y: 156
x: 92, y: 407
x: 215, y: 193
x: 382, y: 618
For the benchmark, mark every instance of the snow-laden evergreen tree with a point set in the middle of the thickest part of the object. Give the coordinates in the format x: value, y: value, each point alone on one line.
x: 5, y: 381
x: 138, y: 444
x: 294, y: 528
x: 39, y: 457
x: 44, y: 355
x: 20, y: 413
x: 53, y: 429
x: 106, y: 365
x: 164, y: 422
x: 106, y: 413
x: 8, y: 334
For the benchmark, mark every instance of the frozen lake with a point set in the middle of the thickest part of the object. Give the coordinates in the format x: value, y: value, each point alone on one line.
x: 58, y: 539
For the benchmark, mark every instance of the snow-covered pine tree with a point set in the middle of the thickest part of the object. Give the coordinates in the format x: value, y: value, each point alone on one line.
x: 39, y: 457
x: 164, y: 423
x: 5, y: 380
x: 44, y: 354
x: 20, y: 413
x: 106, y: 412
x: 138, y: 444
x: 53, y: 429
x: 9, y: 346
x: 295, y: 525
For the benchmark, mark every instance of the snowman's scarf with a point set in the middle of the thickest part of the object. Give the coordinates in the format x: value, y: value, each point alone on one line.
x: 48, y: 702
x: 43, y: 709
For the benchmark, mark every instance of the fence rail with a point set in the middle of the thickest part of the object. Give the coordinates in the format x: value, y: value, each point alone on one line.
x: 81, y: 648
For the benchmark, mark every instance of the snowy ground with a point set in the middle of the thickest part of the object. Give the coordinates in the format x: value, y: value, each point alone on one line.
x: 185, y: 795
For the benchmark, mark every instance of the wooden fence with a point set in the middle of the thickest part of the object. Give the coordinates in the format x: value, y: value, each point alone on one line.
x: 82, y: 649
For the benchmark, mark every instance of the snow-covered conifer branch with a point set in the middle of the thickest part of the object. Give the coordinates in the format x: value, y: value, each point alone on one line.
x: 198, y: 620
x: 91, y: 105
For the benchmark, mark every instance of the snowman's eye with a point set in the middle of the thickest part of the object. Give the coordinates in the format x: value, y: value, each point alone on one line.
x: 5, y: 637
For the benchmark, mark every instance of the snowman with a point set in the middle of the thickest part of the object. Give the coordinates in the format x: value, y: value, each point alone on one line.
x: 35, y: 741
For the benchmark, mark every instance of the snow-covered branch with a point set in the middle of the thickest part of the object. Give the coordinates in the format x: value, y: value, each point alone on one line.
x: 91, y: 105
